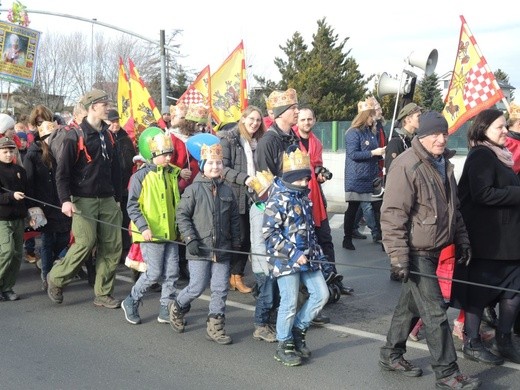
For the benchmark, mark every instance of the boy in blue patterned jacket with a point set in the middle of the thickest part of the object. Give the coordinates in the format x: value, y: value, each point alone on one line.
x: 289, y: 234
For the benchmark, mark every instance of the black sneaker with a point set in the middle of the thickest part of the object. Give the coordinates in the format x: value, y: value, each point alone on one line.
x: 402, y: 366
x: 286, y: 354
x: 320, y: 320
x: 358, y: 235
x: 458, y: 381
x: 473, y: 349
x: 10, y: 295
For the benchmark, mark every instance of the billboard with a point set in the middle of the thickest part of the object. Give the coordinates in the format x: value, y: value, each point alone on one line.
x: 19, y: 48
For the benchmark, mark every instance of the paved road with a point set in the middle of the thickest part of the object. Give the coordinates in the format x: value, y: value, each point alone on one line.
x: 78, y: 346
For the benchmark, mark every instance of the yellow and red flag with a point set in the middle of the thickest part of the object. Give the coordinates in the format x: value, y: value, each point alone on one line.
x: 124, y: 106
x: 473, y: 86
x: 144, y: 111
x: 199, y: 91
x: 229, y: 87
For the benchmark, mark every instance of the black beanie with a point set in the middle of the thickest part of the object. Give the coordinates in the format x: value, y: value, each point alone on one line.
x: 297, y: 174
x: 431, y: 122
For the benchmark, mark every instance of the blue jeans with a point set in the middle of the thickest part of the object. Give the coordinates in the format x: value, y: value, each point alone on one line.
x: 366, y: 210
x: 203, y: 272
x: 264, y: 301
x: 259, y: 264
x: 162, y: 262
x: 422, y: 297
x: 289, y: 286
x: 53, y: 244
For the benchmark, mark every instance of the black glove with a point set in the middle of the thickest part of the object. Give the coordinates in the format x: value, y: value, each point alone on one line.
x: 194, y: 248
x: 463, y: 254
x: 401, y: 270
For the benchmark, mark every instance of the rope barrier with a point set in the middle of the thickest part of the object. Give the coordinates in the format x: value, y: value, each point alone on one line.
x: 162, y: 240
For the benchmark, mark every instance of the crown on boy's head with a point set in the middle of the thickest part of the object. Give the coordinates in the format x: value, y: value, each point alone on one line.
x: 295, y: 160
x: 213, y: 152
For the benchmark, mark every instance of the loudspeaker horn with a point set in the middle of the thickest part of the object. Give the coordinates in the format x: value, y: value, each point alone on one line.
x: 387, y: 85
x: 427, y: 61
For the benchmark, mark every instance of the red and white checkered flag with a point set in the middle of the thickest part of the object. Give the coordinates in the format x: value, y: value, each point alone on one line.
x: 479, y: 87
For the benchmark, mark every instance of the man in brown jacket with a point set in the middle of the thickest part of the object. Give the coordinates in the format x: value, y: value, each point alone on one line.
x: 419, y: 217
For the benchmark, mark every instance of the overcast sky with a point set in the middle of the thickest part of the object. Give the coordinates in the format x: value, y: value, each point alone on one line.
x: 381, y: 33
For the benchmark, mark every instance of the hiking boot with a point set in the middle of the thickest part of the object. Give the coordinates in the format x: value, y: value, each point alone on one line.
x: 107, y: 301
x: 264, y: 332
x: 54, y: 292
x: 164, y: 315
x: 31, y: 257
x: 505, y: 347
x: 402, y: 366
x: 458, y: 381
x: 320, y: 320
x: 176, y: 314
x: 10, y: 295
x: 131, y: 309
x: 344, y: 290
x: 473, y: 349
x: 300, y: 345
x: 215, y: 329
x: 358, y: 235
x: 286, y: 354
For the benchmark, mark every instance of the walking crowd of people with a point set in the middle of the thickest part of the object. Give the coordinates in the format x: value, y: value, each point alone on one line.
x: 188, y: 202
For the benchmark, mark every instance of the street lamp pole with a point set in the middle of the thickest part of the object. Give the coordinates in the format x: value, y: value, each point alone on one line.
x: 92, y: 54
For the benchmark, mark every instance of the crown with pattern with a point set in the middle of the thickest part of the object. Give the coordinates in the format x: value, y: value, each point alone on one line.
x: 197, y: 113
x: 46, y: 129
x: 179, y: 110
x: 283, y: 98
x: 213, y: 152
x: 261, y: 181
x: 368, y: 104
x: 514, y: 111
x: 160, y: 144
x: 295, y: 160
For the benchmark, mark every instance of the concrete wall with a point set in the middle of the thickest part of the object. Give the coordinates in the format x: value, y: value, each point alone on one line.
x: 334, y: 189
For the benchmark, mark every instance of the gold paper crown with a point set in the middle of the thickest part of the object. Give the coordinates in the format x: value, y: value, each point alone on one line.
x: 295, y: 160
x: 197, y: 113
x: 213, y: 152
x: 514, y: 111
x: 46, y: 128
x: 367, y: 104
x: 160, y: 144
x: 261, y: 181
x: 179, y: 110
x: 283, y: 98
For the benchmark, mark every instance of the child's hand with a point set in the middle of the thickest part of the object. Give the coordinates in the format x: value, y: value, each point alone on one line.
x: 147, y: 235
x: 185, y: 173
x: 302, y: 260
x: 18, y: 195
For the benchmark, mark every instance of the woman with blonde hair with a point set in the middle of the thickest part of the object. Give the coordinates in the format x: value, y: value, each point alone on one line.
x: 362, y: 155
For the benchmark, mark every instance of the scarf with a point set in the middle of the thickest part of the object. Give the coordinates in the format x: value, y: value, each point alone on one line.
x: 503, y: 154
x: 248, y: 150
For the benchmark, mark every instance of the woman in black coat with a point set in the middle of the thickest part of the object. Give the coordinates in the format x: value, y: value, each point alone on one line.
x: 40, y: 165
x: 489, y: 192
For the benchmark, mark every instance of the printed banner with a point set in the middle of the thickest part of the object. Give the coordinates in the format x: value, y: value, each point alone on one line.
x: 19, y: 48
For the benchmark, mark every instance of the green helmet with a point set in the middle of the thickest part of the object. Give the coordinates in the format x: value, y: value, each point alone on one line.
x: 153, y: 142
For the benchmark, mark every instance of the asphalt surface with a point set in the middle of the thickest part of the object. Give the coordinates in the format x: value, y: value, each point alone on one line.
x: 78, y: 346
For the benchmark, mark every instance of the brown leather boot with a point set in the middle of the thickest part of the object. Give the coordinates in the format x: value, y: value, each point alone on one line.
x: 232, y: 285
x: 239, y: 284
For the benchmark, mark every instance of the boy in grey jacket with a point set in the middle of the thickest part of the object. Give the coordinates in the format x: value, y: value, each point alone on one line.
x: 208, y: 219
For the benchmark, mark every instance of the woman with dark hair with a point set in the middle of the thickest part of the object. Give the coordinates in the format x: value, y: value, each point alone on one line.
x: 40, y: 165
x: 362, y: 155
x: 239, y: 151
x: 489, y: 192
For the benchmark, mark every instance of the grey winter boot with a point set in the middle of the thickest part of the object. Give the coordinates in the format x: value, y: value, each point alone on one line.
x: 505, y: 347
x: 215, y: 329
x: 286, y: 354
x: 177, y: 316
x: 299, y: 342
